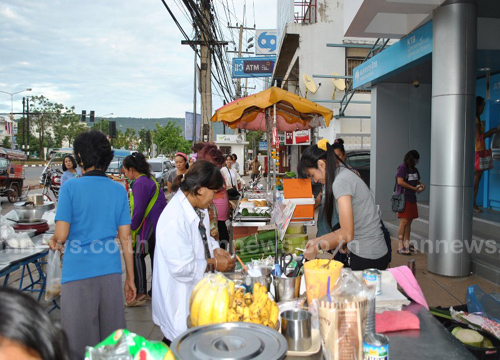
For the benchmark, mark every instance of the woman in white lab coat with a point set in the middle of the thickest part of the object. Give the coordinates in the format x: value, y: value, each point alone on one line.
x: 182, y: 253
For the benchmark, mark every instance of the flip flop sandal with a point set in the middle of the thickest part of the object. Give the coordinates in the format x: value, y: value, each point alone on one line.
x: 135, y: 303
x: 146, y: 297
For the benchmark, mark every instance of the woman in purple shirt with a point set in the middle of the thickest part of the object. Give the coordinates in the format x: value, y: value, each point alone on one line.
x: 147, y: 201
x: 408, y: 180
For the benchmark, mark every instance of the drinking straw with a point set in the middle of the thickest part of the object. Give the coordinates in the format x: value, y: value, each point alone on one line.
x: 241, y: 262
x: 328, y: 290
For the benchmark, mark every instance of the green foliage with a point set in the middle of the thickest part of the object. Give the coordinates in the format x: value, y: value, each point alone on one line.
x: 169, y: 139
x: 44, y: 115
x: 6, y: 142
x: 253, y: 138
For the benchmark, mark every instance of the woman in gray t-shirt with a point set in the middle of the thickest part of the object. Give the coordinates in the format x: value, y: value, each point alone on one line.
x: 360, y: 229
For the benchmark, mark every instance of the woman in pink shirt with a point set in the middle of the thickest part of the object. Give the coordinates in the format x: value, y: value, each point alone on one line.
x: 210, y: 152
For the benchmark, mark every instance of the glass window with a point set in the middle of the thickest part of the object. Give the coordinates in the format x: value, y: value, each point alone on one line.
x: 155, y: 167
x: 359, y: 160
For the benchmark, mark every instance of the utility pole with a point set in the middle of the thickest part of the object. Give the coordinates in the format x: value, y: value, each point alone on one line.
x: 240, y: 52
x: 206, y: 75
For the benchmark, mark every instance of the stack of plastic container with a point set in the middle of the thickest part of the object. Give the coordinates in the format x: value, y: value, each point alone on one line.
x: 299, y: 191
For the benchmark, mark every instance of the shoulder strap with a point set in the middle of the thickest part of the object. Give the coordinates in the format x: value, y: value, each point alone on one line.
x: 148, y: 209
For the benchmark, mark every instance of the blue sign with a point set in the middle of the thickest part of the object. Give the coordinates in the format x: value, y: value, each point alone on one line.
x: 261, y: 66
x: 263, y: 145
x: 267, y: 41
x: 414, y: 46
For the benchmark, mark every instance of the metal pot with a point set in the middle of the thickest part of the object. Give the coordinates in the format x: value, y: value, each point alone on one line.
x: 27, y: 211
x: 237, y: 340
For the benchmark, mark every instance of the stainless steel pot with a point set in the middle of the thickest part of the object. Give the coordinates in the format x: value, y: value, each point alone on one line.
x: 236, y: 341
x: 27, y: 211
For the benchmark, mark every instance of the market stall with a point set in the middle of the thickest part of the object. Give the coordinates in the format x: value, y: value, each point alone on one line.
x: 271, y: 110
x: 345, y: 320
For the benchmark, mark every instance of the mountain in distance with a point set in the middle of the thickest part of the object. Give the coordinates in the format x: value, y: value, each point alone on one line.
x: 137, y: 124
x: 122, y: 123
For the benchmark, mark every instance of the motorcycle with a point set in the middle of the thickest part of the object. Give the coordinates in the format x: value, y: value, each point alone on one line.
x: 255, y: 184
x: 51, y: 181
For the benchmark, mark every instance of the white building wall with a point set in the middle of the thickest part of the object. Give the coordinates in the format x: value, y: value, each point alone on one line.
x: 316, y: 58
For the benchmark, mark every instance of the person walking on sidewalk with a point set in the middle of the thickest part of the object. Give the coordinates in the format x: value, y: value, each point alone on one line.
x: 408, y: 180
x: 147, y: 201
x: 482, y: 157
x: 90, y: 212
x: 256, y: 167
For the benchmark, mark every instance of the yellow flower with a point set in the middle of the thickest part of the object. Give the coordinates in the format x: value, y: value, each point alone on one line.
x: 322, y: 144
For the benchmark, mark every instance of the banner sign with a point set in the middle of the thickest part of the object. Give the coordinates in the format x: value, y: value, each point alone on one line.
x: 262, y: 145
x: 414, y: 46
x: 301, y: 137
x: 188, y: 126
x: 253, y: 67
x: 266, y: 42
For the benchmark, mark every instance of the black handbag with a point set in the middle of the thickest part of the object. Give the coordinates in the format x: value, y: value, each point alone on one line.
x: 232, y: 193
x: 398, y: 200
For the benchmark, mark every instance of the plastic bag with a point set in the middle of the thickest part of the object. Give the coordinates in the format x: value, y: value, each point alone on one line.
x: 125, y: 345
x: 54, y: 274
x: 6, y: 231
x: 50, y: 216
x: 480, y: 302
x: 19, y: 241
x: 11, y: 215
x: 342, y: 318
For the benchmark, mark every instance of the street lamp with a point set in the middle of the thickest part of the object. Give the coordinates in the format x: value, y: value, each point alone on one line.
x: 12, y: 112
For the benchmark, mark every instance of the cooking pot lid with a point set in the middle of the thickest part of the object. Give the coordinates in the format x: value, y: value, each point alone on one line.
x: 230, y: 341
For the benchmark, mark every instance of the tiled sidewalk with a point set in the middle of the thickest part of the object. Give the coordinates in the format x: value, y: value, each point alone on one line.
x: 438, y: 290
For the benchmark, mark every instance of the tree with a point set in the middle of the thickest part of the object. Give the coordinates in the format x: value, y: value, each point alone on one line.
x: 253, y: 138
x: 143, y: 141
x: 6, y: 142
x: 72, y: 126
x: 44, y: 114
x: 169, y: 139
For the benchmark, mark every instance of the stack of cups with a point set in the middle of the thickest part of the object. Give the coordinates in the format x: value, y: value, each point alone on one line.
x: 370, y: 318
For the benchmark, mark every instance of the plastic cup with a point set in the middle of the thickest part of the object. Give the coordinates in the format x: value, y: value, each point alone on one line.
x: 317, y: 277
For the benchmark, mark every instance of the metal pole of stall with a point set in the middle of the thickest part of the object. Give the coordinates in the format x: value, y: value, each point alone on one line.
x: 268, y: 138
x: 275, y: 127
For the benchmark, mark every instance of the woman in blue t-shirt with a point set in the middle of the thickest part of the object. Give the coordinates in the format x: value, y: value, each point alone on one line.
x: 69, y: 167
x: 408, y: 179
x: 91, y: 211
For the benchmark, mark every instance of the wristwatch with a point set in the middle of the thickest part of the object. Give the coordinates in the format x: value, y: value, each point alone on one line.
x: 320, y: 250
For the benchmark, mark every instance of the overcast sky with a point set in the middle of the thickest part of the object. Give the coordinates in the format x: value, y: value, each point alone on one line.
x: 111, y: 56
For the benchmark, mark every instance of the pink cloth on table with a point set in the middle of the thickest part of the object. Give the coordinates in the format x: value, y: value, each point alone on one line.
x: 395, y: 321
x: 407, y: 281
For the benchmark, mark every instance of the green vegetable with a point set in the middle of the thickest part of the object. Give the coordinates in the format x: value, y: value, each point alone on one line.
x: 244, y: 212
x: 441, y: 313
x: 468, y: 337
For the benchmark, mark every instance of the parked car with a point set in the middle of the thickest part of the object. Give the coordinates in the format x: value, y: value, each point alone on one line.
x: 160, y: 167
x: 360, y: 160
